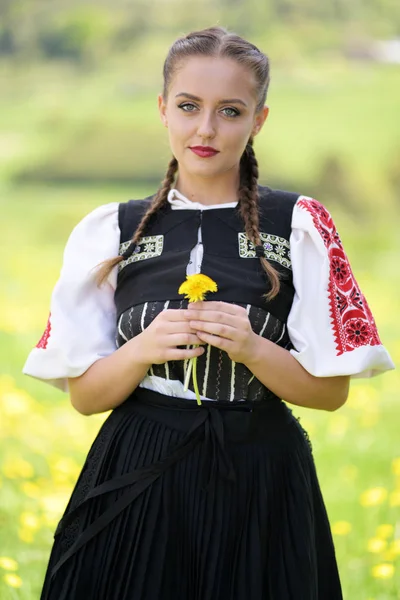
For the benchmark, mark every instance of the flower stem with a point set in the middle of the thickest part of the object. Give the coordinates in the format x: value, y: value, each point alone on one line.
x: 187, y: 376
x: 195, y: 384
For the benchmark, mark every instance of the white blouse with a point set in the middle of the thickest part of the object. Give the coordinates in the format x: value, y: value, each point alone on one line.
x: 329, y: 338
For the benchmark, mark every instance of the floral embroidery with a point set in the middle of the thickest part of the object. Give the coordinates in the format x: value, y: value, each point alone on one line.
x: 148, y: 247
x: 275, y: 248
x: 352, y: 320
x: 357, y: 332
x: 42, y: 343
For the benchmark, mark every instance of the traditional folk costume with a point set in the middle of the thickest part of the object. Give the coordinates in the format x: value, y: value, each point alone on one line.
x: 221, y: 501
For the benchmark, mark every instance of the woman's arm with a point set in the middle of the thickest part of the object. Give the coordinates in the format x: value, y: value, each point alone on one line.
x: 227, y: 326
x: 110, y: 380
x: 279, y: 371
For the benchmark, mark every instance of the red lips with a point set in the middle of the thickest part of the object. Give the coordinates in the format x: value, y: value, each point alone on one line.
x: 204, y: 151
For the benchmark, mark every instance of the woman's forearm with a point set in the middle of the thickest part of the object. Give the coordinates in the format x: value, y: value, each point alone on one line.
x: 109, y: 381
x: 278, y: 370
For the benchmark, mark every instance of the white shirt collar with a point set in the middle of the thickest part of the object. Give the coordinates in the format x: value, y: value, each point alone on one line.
x: 179, y: 201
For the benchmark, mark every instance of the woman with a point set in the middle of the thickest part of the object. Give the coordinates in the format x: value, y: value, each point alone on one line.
x: 217, y: 501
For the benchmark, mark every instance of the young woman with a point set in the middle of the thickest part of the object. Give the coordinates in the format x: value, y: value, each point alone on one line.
x: 221, y: 500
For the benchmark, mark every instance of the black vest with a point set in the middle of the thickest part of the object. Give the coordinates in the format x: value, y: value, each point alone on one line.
x: 158, y: 266
x: 149, y: 279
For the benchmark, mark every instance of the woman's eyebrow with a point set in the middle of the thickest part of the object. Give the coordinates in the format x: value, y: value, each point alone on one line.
x: 225, y: 101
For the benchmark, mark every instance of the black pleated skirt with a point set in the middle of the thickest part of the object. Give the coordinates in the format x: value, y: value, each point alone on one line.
x: 180, y: 502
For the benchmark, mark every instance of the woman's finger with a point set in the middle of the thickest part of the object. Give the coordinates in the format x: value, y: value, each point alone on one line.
x: 216, y: 341
x: 213, y: 316
x: 183, y: 353
x: 219, y: 329
x: 183, y: 339
x: 226, y: 307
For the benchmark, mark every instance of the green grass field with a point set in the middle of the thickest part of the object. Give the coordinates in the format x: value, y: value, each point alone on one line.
x: 43, y: 441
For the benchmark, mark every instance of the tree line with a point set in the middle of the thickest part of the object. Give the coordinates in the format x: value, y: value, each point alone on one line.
x: 83, y: 33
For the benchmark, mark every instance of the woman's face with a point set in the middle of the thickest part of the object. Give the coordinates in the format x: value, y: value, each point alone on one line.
x: 211, y: 103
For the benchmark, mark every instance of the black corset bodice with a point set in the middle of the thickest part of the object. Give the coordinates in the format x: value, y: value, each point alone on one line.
x: 219, y: 378
x: 149, y: 279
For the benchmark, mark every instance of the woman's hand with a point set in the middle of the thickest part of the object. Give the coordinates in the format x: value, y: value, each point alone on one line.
x: 160, y: 340
x: 223, y: 325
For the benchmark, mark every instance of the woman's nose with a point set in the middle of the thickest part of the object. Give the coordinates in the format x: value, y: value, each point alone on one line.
x: 206, y: 126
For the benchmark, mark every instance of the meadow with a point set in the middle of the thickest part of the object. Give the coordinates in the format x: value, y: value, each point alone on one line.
x: 43, y: 441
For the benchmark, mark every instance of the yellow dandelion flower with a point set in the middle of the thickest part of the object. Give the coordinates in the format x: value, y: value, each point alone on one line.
x: 8, y: 564
x: 30, y: 489
x: 29, y: 520
x: 396, y: 466
x: 384, y: 531
x: 383, y: 571
x: 197, y: 286
x: 394, y: 498
x: 373, y: 496
x: 389, y: 555
x: 25, y: 535
x: 15, y: 468
x: 54, y: 504
x: 376, y: 545
x: 13, y: 580
x: 16, y: 402
x: 341, y: 528
x: 395, y: 547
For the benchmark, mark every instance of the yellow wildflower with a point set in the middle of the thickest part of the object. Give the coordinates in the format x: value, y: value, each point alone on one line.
x: 341, y: 528
x: 31, y: 489
x: 396, y: 466
x: 384, y: 531
x: 29, y: 520
x: 25, y: 535
x: 376, y: 545
x: 395, y: 547
x: 16, y: 467
x: 13, y: 580
x: 383, y: 571
x: 373, y: 496
x: 394, y: 499
x: 196, y: 287
x: 8, y: 564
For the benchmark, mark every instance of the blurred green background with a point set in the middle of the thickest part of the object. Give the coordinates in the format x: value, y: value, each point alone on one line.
x: 79, y: 127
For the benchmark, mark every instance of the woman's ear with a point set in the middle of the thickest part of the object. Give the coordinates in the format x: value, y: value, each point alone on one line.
x: 162, y: 107
x: 259, y: 120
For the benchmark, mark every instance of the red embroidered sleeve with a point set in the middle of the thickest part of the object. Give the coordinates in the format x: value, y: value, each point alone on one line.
x: 42, y: 343
x: 352, y: 321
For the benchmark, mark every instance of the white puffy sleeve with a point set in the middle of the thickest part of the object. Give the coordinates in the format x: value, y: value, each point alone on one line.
x: 81, y: 327
x: 330, y: 323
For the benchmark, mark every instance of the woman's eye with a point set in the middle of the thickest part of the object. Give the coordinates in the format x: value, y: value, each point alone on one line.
x: 187, y: 107
x: 231, y: 112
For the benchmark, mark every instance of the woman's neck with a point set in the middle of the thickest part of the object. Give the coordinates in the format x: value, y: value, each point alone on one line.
x: 207, y: 191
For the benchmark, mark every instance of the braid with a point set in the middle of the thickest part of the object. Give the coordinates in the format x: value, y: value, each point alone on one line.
x: 249, y: 211
x: 159, y: 201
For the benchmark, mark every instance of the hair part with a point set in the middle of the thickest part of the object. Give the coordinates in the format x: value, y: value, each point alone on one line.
x: 214, y: 42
